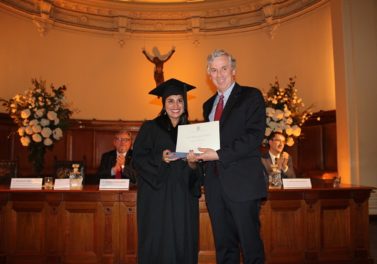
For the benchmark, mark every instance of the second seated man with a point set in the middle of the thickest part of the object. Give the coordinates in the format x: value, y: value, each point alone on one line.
x: 277, y: 156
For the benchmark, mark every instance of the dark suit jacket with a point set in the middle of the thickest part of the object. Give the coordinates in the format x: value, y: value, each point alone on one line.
x: 108, y: 160
x: 267, y: 162
x: 242, y: 127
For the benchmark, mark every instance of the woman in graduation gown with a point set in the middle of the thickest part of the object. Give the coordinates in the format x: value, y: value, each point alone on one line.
x: 168, y: 187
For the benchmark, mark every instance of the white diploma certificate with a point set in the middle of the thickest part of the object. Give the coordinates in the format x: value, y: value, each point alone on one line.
x: 200, y: 135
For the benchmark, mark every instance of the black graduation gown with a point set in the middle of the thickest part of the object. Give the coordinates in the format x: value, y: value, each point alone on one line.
x: 167, y: 199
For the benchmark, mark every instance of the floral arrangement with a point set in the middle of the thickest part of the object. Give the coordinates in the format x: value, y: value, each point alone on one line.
x: 41, y: 117
x: 284, y: 111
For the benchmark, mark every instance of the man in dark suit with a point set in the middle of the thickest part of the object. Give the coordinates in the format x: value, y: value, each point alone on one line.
x: 275, y: 156
x: 234, y: 180
x: 117, y: 163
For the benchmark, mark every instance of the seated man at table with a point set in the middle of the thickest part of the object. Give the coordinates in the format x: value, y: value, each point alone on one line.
x: 117, y: 163
x: 276, y: 155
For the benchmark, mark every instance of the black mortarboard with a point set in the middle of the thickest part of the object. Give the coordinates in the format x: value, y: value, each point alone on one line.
x: 170, y: 87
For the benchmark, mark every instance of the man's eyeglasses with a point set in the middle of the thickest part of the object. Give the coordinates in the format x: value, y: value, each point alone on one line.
x: 282, y: 141
x: 123, y: 140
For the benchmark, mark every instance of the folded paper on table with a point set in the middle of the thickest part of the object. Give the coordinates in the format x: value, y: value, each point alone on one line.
x: 26, y: 183
x: 297, y: 183
x: 62, y: 184
x: 114, y: 184
x: 200, y: 135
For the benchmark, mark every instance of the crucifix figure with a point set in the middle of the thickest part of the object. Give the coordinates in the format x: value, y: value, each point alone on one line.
x: 158, y: 60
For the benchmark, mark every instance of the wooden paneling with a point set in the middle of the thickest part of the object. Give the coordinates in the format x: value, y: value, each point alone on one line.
x: 329, y: 148
x: 320, y: 225
x: 86, y: 140
x: 5, y: 141
x: 311, y: 149
x: 103, y: 143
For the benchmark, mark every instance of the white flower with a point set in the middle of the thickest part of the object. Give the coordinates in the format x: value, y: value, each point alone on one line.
x: 25, y: 113
x: 289, y: 121
x: 51, y: 115
x: 25, y: 141
x: 283, y: 111
x: 36, y: 128
x: 278, y: 115
x: 272, y: 125
x: 37, y: 138
x: 33, y: 122
x: 288, y: 130
x: 39, y: 112
x: 268, y: 131
x: 270, y: 111
x: 287, y: 113
x: 46, y: 132
x: 28, y: 130
x: 45, y: 122
x: 290, y: 142
x: 57, y: 133
x: 296, y: 130
x: 21, y: 131
x: 47, y: 141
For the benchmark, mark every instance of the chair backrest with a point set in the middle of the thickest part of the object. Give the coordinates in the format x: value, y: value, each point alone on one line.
x: 8, y: 170
x: 64, y: 167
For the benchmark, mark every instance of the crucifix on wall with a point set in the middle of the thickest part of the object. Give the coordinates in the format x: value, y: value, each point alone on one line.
x: 158, y: 60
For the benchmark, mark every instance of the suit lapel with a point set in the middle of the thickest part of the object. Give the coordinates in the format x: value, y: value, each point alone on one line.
x: 113, y: 158
x: 208, y: 107
x: 230, y: 103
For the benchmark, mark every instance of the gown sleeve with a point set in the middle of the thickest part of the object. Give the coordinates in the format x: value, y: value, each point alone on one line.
x: 147, y: 158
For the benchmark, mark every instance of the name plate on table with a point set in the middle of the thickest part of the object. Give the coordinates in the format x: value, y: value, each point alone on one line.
x: 62, y: 184
x: 114, y: 184
x: 26, y: 183
x: 297, y: 183
x: 200, y: 135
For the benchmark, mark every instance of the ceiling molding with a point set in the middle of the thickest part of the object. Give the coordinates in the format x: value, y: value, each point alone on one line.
x: 132, y: 18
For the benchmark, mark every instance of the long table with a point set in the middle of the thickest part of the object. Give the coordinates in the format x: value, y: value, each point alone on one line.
x: 319, y: 225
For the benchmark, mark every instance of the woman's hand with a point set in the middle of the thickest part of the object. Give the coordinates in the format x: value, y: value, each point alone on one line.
x: 167, y: 156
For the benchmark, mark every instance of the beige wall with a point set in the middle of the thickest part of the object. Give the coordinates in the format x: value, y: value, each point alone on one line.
x: 106, y: 81
x: 355, y: 53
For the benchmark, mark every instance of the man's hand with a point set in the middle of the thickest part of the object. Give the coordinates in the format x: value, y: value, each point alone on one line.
x: 119, y: 163
x: 191, y: 159
x: 207, y: 154
x: 283, y: 161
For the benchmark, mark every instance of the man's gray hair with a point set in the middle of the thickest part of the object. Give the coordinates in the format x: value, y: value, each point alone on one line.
x: 123, y: 131
x: 218, y: 53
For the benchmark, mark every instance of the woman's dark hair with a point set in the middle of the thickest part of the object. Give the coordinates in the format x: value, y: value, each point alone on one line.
x: 183, y: 119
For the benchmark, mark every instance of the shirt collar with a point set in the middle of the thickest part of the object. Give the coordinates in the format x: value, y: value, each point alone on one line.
x: 226, y: 93
x: 273, y: 157
x: 122, y: 154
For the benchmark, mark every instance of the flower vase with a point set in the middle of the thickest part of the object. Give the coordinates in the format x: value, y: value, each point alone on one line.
x: 36, y: 157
